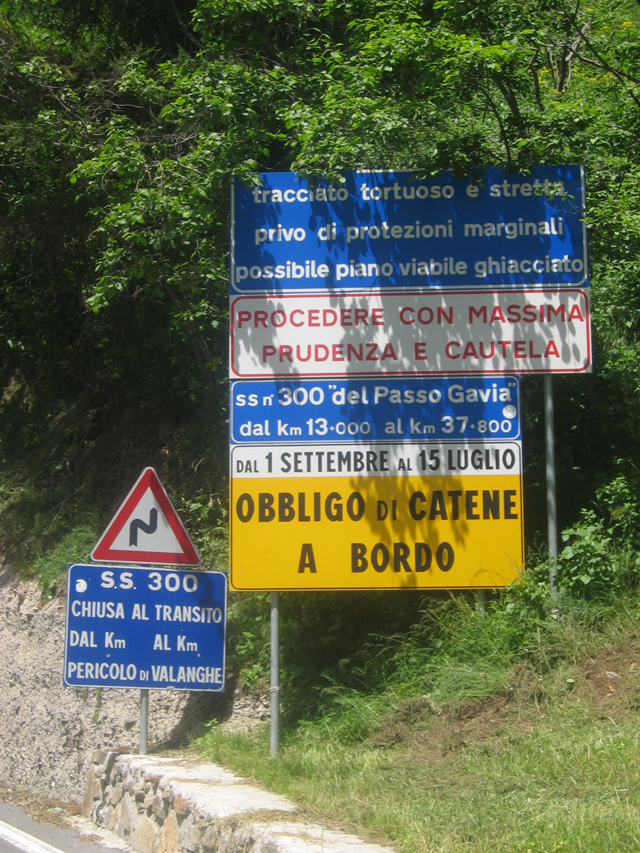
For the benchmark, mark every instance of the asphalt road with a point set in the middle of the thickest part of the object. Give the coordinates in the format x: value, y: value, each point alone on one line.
x: 20, y: 834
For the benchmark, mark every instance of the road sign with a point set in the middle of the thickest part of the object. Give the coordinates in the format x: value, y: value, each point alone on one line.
x: 146, y: 529
x: 395, y: 516
x: 426, y: 333
x: 393, y: 230
x: 145, y: 628
x: 350, y: 300
x: 320, y: 410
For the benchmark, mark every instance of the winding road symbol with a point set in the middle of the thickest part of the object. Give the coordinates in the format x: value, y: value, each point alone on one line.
x: 139, y: 524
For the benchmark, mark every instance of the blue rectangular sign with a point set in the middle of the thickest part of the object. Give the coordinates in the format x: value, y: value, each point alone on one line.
x: 369, y: 410
x: 394, y: 230
x: 135, y: 627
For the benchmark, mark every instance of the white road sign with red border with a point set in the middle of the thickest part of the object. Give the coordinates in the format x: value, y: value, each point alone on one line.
x: 403, y: 334
x: 146, y: 530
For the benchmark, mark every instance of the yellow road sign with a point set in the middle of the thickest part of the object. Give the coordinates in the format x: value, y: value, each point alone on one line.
x: 393, y: 530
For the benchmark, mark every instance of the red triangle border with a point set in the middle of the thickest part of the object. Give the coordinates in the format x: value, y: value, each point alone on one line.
x: 103, y: 552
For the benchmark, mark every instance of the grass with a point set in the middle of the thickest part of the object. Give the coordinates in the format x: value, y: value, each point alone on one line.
x: 48, y: 521
x: 50, y: 566
x: 564, y: 781
x: 527, y: 739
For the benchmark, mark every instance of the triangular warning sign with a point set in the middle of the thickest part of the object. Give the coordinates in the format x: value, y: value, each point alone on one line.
x: 146, y: 530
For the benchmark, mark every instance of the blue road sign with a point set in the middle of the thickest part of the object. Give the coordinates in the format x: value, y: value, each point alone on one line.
x: 393, y: 230
x: 366, y: 410
x: 135, y: 627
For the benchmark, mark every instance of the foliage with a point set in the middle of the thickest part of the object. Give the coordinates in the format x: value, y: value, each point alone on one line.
x: 123, y: 124
x: 588, y: 565
x: 121, y: 127
x: 248, y: 649
x: 619, y: 501
x: 206, y: 516
x: 600, y: 557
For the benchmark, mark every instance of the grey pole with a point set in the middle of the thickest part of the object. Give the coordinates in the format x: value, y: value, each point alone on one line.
x: 275, y: 672
x: 480, y: 598
x: 552, y: 518
x: 144, y: 720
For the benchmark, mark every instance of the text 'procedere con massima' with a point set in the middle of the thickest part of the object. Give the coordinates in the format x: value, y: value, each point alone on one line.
x: 407, y: 333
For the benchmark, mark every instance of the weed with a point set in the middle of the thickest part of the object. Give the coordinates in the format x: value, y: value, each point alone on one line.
x: 248, y: 638
x: 590, y: 564
x: 205, y: 516
x: 96, y: 710
x: 75, y: 547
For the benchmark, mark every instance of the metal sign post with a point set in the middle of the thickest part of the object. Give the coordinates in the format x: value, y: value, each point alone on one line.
x: 147, y: 529
x: 275, y: 672
x: 144, y: 720
x: 552, y: 519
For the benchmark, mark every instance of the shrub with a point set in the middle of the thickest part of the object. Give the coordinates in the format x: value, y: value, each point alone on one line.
x: 593, y: 564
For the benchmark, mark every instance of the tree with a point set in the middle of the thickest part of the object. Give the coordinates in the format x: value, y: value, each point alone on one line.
x: 119, y: 142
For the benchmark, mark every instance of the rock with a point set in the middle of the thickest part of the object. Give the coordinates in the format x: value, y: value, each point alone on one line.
x: 157, y: 807
x: 105, y: 816
x: 169, y: 841
x: 145, y: 836
x: 90, y: 793
x: 210, y: 837
x: 127, y: 817
x: 116, y: 796
x: 181, y: 806
x: 188, y: 835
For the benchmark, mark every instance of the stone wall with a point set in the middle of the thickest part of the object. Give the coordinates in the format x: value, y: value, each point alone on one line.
x: 137, y: 808
x: 182, y: 805
x: 155, y: 809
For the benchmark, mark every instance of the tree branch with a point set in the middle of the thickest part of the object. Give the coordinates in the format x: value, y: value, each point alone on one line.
x: 503, y: 134
x: 185, y: 29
